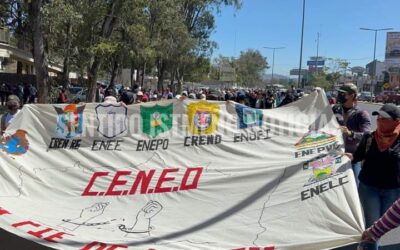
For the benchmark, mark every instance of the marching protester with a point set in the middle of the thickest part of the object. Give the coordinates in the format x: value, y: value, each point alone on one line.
x: 389, y: 221
x: 62, y: 97
x: 127, y: 97
x: 4, y: 92
x: 269, y: 101
x: 13, y: 105
x: 379, y: 153
x: 110, y: 96
x: 289, y: 98
x: 353, y: 121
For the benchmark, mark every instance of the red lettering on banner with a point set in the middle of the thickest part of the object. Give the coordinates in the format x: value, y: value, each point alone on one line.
x: 144, y: 179
x: 116, y: 182
x: 141, y: 181
x: 39, y: 234
x: 163, y: 178
x: 94, y: 243
x: 193, y: 185
x: 58, y: 235
x: 102, y: 246
x: 3, y: 211
x: 19, y: 224
x: 87, y: 191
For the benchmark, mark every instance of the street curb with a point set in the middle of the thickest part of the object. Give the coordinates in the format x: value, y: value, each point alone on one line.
x: 371, y: 103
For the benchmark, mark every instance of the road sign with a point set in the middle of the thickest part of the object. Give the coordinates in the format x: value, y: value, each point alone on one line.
x: 296, y: 72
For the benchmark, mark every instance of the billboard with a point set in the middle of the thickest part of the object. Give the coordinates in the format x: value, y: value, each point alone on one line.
x: 227, y: 74
x: 393, y: 46
x: 296, y: 72
x: 314, y: 63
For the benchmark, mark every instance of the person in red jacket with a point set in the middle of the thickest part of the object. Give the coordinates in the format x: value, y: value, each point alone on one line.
x: 62, y: 97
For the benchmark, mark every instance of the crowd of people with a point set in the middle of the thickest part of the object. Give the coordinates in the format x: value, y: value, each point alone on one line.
x: 255, y: 98
x: 26, y: 93
x: 375, y: 154
x: 375, y: 157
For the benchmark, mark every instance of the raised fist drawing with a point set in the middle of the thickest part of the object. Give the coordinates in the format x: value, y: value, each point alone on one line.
x: 93, y: 211
x: 85, y: 216
x: 151, y: 209
x: 142, y: 224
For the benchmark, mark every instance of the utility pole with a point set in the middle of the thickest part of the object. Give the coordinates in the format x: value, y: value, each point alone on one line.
x: 273, y: 60
x: 301, y: 44
x: 316, y: 61
x: 374, y: 62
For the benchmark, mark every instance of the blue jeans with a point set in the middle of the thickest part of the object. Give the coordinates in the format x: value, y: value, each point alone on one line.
x: 375, y: 202
x: 357, y: 170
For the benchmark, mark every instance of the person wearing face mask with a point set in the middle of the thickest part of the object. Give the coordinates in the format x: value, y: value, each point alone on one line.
x: 353, y: 121
x: 13, y: 105
x: 380, y: 174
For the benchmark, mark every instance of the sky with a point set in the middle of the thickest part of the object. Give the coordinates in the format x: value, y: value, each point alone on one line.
x: 276, y: 23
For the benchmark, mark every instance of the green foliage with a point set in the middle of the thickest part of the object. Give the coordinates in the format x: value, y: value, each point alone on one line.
x: 320, y: 80
x: 250, y: 67
x: 93, y: 36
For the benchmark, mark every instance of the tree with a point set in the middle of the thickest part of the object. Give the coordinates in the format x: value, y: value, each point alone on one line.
x: 333, y: 78
x: 250, y: 67
x: 319, y: 80
x: 39, y: 55
x: 199, y: 21
x: 61, y: 19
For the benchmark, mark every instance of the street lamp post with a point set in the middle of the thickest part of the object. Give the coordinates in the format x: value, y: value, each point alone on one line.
x: 374, y: 61
x: 301, y: 43
x: 273, y: 60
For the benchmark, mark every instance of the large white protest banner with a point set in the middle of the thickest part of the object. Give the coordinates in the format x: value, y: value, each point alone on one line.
x: 179, y: 174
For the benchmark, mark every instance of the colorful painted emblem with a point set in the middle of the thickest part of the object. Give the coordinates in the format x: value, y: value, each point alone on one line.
x: 156, y: 119
x: 323, y: 167
x: 248, y: 117
x: 314, y: 139
x: 16, y: 144
x: 70, y: 120
x: 203, y: 117
x: 112, y: 119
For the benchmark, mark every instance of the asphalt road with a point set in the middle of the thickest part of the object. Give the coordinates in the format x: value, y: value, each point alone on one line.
x: 391, y: 241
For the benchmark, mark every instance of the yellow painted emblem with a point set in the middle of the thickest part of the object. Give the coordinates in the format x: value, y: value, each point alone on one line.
x: 203, y: 117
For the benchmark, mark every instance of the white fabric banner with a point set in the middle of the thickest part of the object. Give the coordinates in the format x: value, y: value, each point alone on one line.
x: 179, y: 174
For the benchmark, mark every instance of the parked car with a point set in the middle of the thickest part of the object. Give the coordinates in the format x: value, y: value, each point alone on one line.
x: 77, y: 94
x: 381, y: 97
x: 80, y: 96
x: 366, y: 96
x: 388, y: 97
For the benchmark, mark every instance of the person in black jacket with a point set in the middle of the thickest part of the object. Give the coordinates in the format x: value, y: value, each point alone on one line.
x: 353, y: 121
x: 380, y: 153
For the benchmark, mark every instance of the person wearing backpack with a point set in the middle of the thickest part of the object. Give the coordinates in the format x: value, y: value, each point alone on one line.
x: 379, y: 153
x: 353, y: 121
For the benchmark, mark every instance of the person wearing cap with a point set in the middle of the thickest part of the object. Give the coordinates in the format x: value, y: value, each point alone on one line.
x: 13, y: 105
x: 380, y: 174
x: 154, y: 97
x: 353, y: 121
x: 139, y: 97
